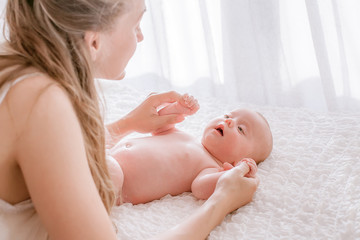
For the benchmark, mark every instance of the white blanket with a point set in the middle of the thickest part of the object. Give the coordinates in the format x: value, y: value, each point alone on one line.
x: 309, y: 186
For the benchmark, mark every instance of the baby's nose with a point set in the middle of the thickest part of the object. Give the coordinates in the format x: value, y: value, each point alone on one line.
x: 229, y: 122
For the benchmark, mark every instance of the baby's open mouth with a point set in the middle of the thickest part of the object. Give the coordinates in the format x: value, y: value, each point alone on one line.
x: 219, y: 129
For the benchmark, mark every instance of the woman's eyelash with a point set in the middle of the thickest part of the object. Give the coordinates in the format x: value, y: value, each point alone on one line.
x: 226, y: 116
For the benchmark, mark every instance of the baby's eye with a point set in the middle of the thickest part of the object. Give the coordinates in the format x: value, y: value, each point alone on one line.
x: 226, y: 116
x: 240, y: 129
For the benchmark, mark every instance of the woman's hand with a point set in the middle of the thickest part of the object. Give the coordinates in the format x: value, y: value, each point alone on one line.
x: 233, y: 190
x: 145, y: 117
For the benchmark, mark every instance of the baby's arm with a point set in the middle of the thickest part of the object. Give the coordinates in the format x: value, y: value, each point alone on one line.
x: 204, y: 184
x: 187, y: 105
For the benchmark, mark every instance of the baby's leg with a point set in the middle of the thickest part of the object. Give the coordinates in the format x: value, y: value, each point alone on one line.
x: 117, y: 176
x: 187, y: 105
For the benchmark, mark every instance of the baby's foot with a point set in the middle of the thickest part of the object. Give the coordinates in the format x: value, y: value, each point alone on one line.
x: 117, y: 176
x: 187, y: 105
x: 190, y: 103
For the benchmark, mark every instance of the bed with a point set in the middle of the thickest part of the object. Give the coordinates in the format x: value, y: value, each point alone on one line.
x: 309, y: 186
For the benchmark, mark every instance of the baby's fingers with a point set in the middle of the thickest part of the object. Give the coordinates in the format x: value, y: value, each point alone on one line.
x: 227, y: 166
x: 251, y: 166
x: 242, y: 169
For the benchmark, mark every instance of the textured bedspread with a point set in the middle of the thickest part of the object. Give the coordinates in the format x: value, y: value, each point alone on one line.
x: 309, y: 186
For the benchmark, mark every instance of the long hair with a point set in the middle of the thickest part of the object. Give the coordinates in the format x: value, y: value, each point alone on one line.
x: 48, y: 35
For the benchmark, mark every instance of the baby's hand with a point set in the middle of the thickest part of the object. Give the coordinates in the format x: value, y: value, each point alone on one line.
x: 187, y: 105
x: 226, y: 166
x: 251, y: 164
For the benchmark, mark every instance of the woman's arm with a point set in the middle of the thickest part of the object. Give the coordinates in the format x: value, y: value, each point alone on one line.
x: 232, y: 191
x: 51, y: 154
x: 145, y: 118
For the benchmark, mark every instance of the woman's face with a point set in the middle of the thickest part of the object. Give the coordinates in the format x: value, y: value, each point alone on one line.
x: 118, y: 45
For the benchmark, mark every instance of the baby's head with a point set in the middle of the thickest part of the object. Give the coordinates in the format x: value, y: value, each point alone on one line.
x: 242, y: 133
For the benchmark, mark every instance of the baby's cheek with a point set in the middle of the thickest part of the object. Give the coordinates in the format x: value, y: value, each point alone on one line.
x: 230, y: 154
x: 231, y: 148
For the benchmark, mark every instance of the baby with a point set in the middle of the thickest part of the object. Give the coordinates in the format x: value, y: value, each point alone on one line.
x: 172, y: 161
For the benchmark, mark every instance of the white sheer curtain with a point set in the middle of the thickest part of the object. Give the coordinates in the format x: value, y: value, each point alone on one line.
x: 295, y: 53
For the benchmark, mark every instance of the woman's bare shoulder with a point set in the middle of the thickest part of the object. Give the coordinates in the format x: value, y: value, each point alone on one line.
x: 35, y: 112
x: 31, y: 88
x: 35, y: 94
x: 52, y: 157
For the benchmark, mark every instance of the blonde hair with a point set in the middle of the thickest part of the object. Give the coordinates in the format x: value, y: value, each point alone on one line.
x: 48, y: 35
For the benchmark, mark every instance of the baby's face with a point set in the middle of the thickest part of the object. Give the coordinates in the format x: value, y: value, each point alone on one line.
x: 238, y: 134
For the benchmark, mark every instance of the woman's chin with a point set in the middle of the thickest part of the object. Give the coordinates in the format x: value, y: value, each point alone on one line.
x: 121, y: 76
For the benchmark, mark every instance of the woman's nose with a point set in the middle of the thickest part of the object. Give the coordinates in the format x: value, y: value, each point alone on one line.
x: 140, y: 36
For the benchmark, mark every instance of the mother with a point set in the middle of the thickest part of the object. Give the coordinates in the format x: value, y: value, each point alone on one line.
x: 53, y: 175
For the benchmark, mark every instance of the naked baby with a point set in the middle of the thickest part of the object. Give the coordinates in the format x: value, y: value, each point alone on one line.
x: 172, y: 161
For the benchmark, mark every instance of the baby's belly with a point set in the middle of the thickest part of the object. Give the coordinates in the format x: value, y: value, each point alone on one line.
x: 152, y: 175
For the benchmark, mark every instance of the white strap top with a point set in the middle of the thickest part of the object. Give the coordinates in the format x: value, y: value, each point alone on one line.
x: 19, y: 221
x: 6, y: 87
